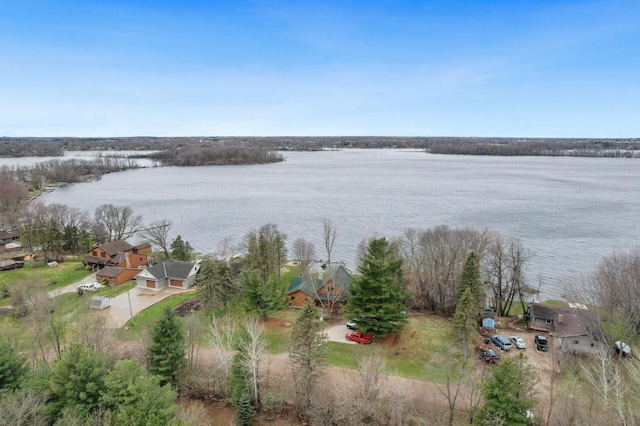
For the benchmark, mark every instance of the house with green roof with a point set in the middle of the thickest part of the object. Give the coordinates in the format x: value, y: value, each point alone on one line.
x: 329, y: 290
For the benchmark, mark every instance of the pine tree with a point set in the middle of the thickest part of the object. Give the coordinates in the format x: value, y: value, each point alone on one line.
x: 465, y: 321
x: 260, y: 297
x: 12, y: 367
x: 165, y: 354
x: 470, y: 278
x: 508, y: 392
x: 377, y: 296
x: 217, y: 284
x: 181, y: 250
x: 77, y: 381
x: 308, y: 352
x: 134, y: 397
x: 245, y: 411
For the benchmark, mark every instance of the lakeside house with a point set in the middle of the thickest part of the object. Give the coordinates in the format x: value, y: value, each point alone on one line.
x: 171, y: 272
x: 329, y: 288
x: 577, y: 330
x: 117, y: 262
x: 9, y: 242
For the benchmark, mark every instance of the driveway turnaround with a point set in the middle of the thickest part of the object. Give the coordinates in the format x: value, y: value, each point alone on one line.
x: 336, y: 333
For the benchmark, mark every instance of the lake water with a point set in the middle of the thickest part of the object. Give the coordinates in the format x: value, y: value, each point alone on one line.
x: 569, y: 211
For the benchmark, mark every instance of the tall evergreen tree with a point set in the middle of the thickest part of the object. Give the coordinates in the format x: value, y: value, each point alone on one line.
x: 181, y: 249
x: 260, y: 297
x: 508, y: 392
x: 12, y: 367
x: 377, y: 296
x: 217, y: 284
x: 77, y: 381
x: 308, y: 353
x: 266, y: 251
x: 465, y: 321
x: 134, y: 397
x: 165, y: 354
x: 470, y: 278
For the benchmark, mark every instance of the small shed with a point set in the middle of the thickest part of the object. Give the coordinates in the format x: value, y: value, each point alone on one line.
x: 99, y: 302
x: 489, y: 323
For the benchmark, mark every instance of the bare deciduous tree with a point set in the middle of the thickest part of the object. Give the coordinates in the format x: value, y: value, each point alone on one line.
x: 227, y: 248
x: 24, y: 408
x: 12, y: 194
x: 117, y: 222
x: 453, y: 368
x: 157, y: 233
x: 221, y: 337
x: 504, y: 264
x: 433, y: 261
x: 252, y: 346
x: 329, y: 233
x: 304, y: 252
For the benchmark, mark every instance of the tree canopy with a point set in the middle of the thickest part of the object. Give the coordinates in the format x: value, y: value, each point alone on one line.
x: 165, y: 354
x: 470, y: 279
x: 508, y: 392
x: 377, y: 296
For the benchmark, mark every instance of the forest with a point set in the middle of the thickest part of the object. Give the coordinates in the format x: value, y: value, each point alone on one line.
x: 583, y: 147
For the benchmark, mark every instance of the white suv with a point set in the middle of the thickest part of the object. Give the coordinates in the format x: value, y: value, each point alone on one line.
x: 91, y: 286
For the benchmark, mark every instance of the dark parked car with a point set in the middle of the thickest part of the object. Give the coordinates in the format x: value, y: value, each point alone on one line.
x: 489, y: 356
x: 358, y: 337
x: 501, y: 342
x: 541, y: 343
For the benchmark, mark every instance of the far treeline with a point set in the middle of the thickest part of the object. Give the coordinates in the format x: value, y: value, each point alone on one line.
x: 579, y: 147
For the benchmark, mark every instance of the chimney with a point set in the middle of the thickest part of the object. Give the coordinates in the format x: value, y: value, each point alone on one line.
x: 560, y: 318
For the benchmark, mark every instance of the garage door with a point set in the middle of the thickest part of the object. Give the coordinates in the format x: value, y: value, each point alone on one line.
x: 151, y: 284
x: 176, y: 283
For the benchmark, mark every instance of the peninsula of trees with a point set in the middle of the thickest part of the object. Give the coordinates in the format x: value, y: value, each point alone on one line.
x: 213, y: 145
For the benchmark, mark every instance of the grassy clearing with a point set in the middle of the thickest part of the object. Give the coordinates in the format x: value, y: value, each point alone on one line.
x: 417, y: 346
x: 145, y: 319
x: 408, y: 355
x: 116, y: 290
x: 41, y: 275
x: 278, y: 328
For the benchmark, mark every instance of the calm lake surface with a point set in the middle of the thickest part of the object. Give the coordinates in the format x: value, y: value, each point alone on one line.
x: 569, y: 211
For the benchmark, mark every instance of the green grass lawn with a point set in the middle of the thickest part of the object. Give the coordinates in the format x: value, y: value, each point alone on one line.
x: 411, y: 354
x: 146, y: 318
x: 115, y: 290
x: 40, y: 275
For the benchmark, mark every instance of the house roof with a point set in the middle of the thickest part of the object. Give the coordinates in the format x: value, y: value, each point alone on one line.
x: 336, y: 273
x: 568, y: 321
x: 118, y: 258
x: 142, y: 246
x: 172, y: 268
x: 110, y: 271
x: 96, y: 260
x: 8, y: 236
x: 112, y: 248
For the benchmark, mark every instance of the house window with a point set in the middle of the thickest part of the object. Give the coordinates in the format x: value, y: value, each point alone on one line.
x: 330, y: 289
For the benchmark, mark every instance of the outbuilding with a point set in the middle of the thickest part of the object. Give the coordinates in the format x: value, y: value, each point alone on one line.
x: 99, y: 302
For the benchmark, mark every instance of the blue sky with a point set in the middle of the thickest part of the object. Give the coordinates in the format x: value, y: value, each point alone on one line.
x: 399, y: 68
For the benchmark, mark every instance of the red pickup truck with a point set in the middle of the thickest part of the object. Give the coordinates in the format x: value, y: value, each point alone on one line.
x: 356, y: 336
